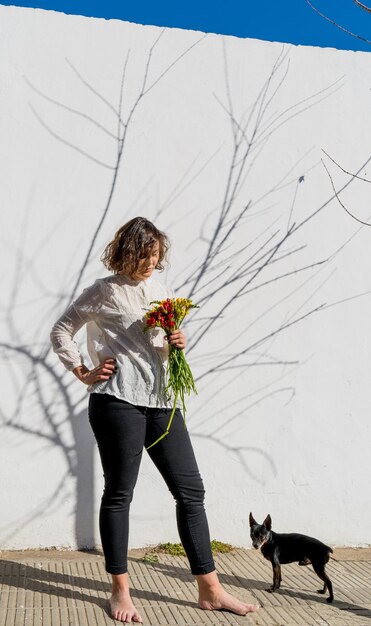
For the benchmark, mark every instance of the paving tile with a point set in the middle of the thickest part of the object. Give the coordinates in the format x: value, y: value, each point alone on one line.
x: 72, y: 589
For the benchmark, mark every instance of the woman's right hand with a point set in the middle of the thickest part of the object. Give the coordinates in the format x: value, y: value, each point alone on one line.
x: 104, y: 371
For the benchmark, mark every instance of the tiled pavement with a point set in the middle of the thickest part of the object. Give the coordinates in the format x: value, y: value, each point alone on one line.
x: 71, y: 588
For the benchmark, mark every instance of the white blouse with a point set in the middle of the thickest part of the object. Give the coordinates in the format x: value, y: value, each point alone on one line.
x: 113, y: 309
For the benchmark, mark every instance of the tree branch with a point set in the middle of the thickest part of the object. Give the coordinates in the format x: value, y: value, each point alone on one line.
x: 362, y: 6
x: 345, y: 30
x: 339, y: 201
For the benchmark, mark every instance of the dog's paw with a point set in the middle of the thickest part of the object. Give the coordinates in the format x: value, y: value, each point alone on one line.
x: 321, y: 591
x: 329, y: 599
x: 271, y: 589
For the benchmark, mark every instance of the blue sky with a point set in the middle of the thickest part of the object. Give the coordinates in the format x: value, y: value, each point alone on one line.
x: 274, y: 20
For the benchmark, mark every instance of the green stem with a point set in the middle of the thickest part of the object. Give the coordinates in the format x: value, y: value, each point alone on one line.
x: 168, y: 426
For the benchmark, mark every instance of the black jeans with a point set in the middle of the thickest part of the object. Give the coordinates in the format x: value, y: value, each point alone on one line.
x: 121, y: 430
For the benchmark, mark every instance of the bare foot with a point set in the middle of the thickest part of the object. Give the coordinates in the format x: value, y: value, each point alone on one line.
x: 218, y: 599
x: 122, y: 607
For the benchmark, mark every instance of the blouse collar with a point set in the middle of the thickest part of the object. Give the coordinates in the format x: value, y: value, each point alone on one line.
x: 130, y: 281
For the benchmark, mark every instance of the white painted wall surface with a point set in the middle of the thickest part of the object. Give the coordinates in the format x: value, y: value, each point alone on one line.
x: 284, y: 427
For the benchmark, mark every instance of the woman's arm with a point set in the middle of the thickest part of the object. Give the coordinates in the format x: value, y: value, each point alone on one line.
x: 84, y: 309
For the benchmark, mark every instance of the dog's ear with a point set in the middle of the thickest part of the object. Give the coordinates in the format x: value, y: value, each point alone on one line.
x: 252, y: 521
x: 268, y: 522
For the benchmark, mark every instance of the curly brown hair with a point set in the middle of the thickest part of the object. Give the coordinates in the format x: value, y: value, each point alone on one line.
x: 132, y: 243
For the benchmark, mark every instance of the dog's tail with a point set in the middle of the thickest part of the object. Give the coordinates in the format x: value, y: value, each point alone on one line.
x: 329, y: 552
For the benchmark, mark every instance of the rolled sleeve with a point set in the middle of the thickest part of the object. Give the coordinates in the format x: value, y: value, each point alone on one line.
x: 84, y: 309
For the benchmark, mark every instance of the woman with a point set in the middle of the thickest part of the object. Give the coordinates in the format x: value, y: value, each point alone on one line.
x: 128, y: 409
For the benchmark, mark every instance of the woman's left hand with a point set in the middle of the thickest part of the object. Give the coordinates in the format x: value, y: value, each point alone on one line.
x: 177, y: 339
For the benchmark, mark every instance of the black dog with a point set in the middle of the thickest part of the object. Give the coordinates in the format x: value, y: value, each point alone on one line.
x: 288, y: 548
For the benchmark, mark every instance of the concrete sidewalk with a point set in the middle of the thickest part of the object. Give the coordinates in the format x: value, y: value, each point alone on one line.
x: 71, y: 588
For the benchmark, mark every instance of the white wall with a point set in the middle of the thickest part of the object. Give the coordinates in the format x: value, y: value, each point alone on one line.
x: 284, y: 426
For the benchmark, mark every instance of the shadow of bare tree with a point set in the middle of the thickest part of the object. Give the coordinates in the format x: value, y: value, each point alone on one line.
x: 225, y: 273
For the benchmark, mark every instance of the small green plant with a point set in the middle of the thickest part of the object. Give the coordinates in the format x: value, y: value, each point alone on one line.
x: 149, y: 557
x: 220, y: 547
x: 176, y: 549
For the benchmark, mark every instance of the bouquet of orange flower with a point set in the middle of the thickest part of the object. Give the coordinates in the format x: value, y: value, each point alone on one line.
x: 169, y: 315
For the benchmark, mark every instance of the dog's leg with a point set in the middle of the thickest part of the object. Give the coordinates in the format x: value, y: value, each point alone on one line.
x: 320, y: 571
x: 323, y: 590
x: 276, y: 578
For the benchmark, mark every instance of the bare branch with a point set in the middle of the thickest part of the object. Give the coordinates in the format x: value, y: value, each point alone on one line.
x: 68, y: 143
x: 260, y: 341
x: 328, y: 91
x: 365, y: 180
x: 236, y: 295
x: 180, y: 188
x: 121, y: 144
x: 362, y: 6
x: 92, y: 89
x: 339, y: 201
x: 69, y: 109
x: 327, y: 202
x: 119, y: 116
x: 345, y: 30
x: 169, y: 67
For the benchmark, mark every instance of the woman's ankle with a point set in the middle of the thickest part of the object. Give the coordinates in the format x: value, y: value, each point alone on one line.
x: 208, y: 582
x: 120, y: 582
